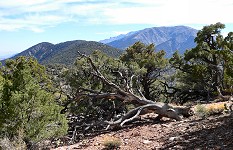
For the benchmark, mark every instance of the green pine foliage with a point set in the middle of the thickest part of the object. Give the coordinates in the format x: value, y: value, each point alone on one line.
x: 26, y: 103
x: 139, y: 67
x: 81, y: 79
x: 69, y: 54
x: 207, y: 66
x: 153, y: 64
x: 29, y: 108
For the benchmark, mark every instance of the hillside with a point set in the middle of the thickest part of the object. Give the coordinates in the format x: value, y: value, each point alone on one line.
x: 192, y: 133
x: 169, y: 39
x: 66, y: 52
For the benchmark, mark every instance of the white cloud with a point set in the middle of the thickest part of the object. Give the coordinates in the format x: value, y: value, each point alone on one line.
x: 17, y: 3
x: 37, y: 15
x: 170, y: 12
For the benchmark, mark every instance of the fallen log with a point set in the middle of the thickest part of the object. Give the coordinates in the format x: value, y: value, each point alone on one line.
x: 222, y: 97
x: 163, y: 109
x: 126, y: 95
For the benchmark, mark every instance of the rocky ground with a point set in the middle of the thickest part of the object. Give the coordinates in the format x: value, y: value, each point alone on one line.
x: 215, y: 132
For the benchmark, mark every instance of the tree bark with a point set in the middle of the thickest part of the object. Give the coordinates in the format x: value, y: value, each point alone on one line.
x: 142, y: 104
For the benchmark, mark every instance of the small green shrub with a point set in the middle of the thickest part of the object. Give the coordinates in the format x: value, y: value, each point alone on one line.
x: 200, y: 110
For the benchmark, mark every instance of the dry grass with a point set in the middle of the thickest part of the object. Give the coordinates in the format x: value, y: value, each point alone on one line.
x: 216, y: 108
x: 205, y: 110
x: 16, y: 144
x: 111, y: 143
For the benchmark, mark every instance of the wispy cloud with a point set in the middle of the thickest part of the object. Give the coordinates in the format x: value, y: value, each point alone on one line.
x: 38, y: 15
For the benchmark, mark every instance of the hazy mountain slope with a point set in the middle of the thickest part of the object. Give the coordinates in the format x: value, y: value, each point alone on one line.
x: 66, y: 52
x: 6, y: 56
x: 39, y: 51
x: 70, y: 53
x: 111, y: 39
x: 172, y: 45
x: 165, y: 38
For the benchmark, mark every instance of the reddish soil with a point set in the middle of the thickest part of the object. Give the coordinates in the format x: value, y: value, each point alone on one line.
x: 213, y: 133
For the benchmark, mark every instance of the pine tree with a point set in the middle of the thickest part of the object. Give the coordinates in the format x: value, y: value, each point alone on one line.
x: 153, y: 63
x: 207, y: 66
x: 26, y: 103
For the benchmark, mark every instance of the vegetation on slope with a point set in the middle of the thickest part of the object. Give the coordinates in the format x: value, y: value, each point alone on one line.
x: 68, y: 55
x: 100, y: 91
x: 28, y: 107
x: 66, y: 52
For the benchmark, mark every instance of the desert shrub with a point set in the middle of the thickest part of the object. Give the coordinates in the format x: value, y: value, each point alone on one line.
x: 209, y: 109
x: 213, y: 109
x: 111, y: 143
x: 200, y: 110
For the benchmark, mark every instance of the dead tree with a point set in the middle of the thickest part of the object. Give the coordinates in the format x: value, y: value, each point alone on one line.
x: 128, y: 96
x: 222, y: 97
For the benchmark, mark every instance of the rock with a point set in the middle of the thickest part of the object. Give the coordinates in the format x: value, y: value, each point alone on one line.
x: 176, y: 138
x: 146, y: 142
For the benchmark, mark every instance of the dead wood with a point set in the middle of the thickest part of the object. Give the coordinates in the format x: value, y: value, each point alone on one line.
x: 222, y: 97
x: 126, y: 95
x: 163, y: 109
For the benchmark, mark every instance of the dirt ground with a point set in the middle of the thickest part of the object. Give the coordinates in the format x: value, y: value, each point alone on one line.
x: 214, y: 133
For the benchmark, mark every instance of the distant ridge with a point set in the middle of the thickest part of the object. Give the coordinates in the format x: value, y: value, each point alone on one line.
x: 169, y: 39
x: 6, y: 56
x: 66, y: 52
x: 111, y: 39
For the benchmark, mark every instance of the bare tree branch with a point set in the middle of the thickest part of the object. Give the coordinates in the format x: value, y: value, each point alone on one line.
x: 142, y: 104
x: 163, y: 109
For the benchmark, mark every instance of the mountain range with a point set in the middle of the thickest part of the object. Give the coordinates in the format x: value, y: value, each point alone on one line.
x: 66, y: 52
x: 169, y: 39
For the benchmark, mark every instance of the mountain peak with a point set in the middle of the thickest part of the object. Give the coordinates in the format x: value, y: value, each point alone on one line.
x: 66, y: 52
x: 164, y: 38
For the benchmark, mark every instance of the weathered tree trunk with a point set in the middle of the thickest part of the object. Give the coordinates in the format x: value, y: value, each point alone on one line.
x: 162, y: 109
x: 142, y: 105
x: 146, y: 87
x: 222, y: 97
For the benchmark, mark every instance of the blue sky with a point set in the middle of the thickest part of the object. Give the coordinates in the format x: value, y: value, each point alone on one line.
x: 24, y: 23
